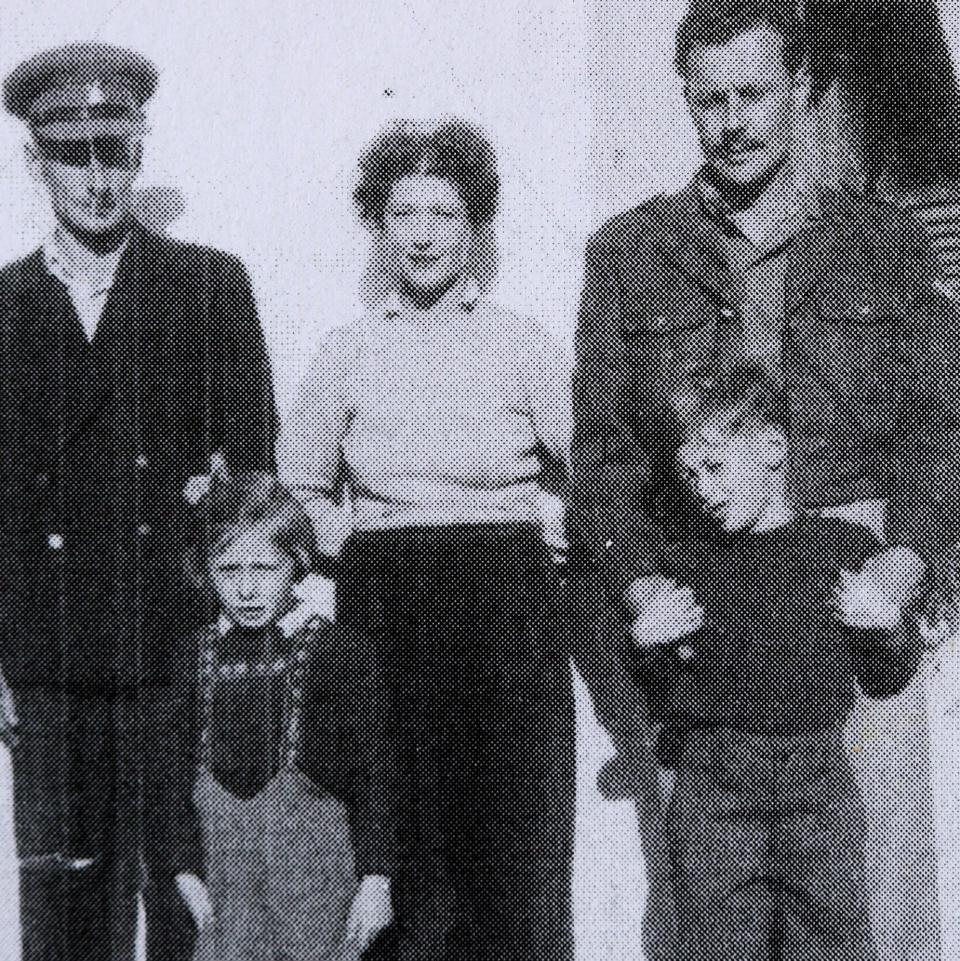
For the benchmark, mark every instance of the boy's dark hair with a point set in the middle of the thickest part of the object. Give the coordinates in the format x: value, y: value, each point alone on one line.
x: 746, y: 397
x: 712, y: 23
x: 234, y: 506
x: 454, y: 150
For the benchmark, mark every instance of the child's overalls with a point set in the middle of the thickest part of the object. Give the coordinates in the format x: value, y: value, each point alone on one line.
x: 280, y: 865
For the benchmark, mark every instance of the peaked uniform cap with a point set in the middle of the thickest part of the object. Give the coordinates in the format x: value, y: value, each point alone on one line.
x: 81, y: 91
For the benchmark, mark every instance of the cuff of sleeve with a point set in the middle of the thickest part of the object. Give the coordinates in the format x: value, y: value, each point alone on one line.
x: 372, y: 863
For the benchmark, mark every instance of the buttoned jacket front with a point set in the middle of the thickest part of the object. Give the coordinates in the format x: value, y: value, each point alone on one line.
x: 98, y: 440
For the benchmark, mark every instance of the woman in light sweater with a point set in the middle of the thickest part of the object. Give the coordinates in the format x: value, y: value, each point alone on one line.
x: 437, y: 415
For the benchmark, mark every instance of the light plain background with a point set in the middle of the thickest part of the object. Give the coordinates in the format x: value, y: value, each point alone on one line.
x: 260, y: 114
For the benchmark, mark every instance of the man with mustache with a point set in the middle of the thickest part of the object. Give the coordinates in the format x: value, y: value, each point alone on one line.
x: 129, y: 361
x: 752, y: 263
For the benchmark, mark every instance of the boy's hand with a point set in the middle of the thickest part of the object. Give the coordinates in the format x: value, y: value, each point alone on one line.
x: 316, y: 601
x: 898, y: 572
x: 874, y: 597
x: 370, y: 912
x: 197, y: 899
x: 662, y: 611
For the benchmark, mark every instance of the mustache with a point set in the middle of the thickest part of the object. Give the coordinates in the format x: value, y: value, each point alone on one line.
x: 737, y: 141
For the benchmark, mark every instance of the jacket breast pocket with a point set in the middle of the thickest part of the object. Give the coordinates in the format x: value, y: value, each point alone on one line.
x: 667, y: 346
x: 860, y: 348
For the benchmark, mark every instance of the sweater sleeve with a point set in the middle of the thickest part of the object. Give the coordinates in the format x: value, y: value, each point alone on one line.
x: 171, y: 838
x: 376, y: 816
x: 310, y: 449
x: 887, y: 661
x: 549, y: 372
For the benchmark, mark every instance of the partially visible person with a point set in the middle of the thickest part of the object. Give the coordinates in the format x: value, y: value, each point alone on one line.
x: 127, y: 360
x: 886, y: 105
x: 275, y: 749
x: 438, y: 414
x: 751, y: 648
x: 886, y: 122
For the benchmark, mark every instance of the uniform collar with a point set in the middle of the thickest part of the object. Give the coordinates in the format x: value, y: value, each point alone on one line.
x: 73, y: 263
x: 464, y: 295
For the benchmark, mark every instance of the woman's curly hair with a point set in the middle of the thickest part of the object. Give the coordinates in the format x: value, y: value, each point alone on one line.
x: 453, y: 149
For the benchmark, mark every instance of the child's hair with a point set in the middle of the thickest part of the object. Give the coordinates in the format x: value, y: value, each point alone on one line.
x: 744, y: 398
x: 236, y: 505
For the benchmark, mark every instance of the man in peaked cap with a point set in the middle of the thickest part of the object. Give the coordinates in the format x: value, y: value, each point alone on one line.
x: 129, y: 360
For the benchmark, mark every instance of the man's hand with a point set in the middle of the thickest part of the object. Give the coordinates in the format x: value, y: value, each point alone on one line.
x: 662, y: 611
x: 197, y: 899
x: 198, y: 485
x: 874, y: 597
x: 316, y: 601
x: 370, y: 913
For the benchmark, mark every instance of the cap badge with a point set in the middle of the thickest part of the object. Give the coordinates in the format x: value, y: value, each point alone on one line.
x: 95, y: 94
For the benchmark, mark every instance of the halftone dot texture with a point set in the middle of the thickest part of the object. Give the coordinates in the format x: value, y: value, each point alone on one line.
x: 442, y: 420
x: 838, y: 301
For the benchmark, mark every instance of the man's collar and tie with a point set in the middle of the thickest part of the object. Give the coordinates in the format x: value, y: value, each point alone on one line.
x: 771, y: 218
x: 87, y: 276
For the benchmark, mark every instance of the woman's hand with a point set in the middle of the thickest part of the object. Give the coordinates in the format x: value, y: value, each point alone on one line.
x: 370, y: 913
x: 316, y: 601
x: 197, y: 899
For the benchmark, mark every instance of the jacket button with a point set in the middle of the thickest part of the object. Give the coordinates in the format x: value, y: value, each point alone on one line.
x: 54, y: 541
x: 142, y: 461
x: 143, y: 530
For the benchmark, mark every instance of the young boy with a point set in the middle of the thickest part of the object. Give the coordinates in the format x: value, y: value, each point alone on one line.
x: 750, y: 648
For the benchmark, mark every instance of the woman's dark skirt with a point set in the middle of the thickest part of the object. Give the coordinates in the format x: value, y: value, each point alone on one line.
x: 475, y: 639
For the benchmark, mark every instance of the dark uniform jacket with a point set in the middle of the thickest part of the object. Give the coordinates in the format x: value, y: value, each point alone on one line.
x: 345, y: 747
x: 97, y: 440
x: 869, y: 360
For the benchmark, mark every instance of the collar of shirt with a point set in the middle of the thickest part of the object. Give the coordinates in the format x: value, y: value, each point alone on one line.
x: 776, y: 216
x: 463, y: 295
x: 77, y: 266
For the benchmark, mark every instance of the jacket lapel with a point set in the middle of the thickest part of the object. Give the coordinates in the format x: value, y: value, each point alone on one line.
x: 117, y: 347
x: 686, y: 236
x: 56, y: 347
x: 812, y: 253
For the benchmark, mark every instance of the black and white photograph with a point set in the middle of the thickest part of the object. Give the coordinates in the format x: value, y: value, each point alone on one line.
x: 481, y: 480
